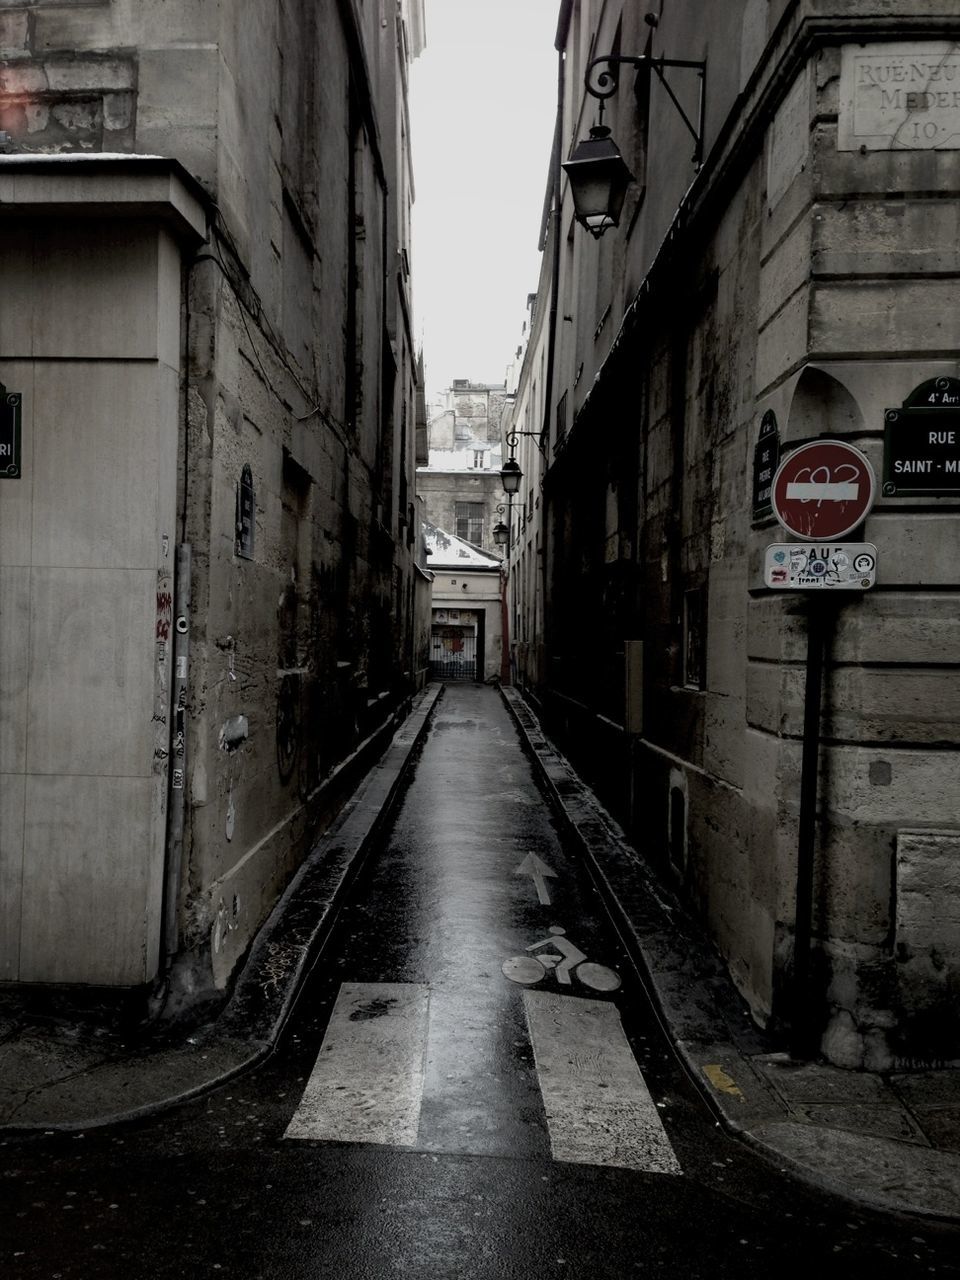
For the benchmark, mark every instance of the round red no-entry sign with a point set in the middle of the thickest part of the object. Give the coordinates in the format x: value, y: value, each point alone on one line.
x: 823, y: 490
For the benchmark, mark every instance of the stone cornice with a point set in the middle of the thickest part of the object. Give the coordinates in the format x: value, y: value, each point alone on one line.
x: 101, y: 185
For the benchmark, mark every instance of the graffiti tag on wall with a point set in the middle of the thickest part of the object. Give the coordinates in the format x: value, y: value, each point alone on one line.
x: 164, y: 614
x: 288, y: 726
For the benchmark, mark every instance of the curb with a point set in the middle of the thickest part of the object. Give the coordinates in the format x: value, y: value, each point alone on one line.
x: 287, y: 945
x: 645, y: 915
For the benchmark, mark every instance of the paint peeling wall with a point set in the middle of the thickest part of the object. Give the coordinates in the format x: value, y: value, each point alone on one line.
x: 86, y: 579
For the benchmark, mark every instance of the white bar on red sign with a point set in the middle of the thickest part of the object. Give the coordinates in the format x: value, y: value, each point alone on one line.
x: 803, y: 491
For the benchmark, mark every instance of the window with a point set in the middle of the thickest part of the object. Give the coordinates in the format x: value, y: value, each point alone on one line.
x: 469, y: 518
x: 694, y: 638
x: 561, y: 421
x: 478, y: 456
x: 246, y: 515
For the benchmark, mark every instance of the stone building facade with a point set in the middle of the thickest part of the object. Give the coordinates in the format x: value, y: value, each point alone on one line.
x: 800, y: 284
x: 466, y: 629
x: 207, y: 557
x: 460, y: 483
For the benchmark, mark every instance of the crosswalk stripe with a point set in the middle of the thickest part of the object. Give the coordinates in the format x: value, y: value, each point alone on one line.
x: 367, y: 1084
x: 599, y: 1110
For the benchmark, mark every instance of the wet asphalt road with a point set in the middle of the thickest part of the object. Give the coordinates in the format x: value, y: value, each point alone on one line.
x: 214, y: 1186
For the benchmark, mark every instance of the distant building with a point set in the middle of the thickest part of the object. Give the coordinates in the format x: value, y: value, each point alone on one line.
x: 466, y: 622
x: 460, y: 485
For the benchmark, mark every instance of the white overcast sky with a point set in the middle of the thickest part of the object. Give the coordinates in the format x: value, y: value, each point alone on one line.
x: 483, y: 103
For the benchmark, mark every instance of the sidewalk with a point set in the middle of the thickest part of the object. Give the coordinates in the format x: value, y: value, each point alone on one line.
x: 893, y: 1141
x: 889, y: 1141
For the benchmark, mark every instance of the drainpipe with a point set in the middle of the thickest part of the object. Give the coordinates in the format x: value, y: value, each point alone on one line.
x: 178, y: 754
x: 506, y: 666
x: 552, y: 329
x: 557, y: 173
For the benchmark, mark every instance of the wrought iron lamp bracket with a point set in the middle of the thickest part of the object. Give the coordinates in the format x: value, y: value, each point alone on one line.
x: 601, y: 82
x: 502, y: 533
x: 512, y: 439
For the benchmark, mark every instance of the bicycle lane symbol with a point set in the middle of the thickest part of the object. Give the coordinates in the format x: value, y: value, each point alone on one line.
x: 566, y: 960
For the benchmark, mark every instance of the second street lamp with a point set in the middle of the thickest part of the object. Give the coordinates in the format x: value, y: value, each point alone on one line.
x: 501, y: 531
x: 510, y: 476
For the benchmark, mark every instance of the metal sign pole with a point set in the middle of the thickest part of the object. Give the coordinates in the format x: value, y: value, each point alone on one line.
x: 803, y: 1037
x: 821, y: 492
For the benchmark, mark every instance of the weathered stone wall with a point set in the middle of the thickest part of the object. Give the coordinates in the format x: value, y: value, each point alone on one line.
x: 810, y: 280
x: 297, y: 363
x: 477, y: 408
x: 326, y: 648
x: 113, y: 75
x: 523, y: 411
x: 442, y: 490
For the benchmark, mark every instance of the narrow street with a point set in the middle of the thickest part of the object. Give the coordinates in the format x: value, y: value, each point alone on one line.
x: 429, y: 1115
x: 479, y: 716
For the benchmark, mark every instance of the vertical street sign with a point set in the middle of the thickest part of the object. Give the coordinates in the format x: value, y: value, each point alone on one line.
x: 10, y: 404
x: 766, y: 459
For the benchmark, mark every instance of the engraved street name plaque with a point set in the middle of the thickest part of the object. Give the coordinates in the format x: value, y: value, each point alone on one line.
x: 899, y: 97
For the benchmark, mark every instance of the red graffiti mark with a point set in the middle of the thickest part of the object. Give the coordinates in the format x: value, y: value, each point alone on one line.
x: 164, y: 614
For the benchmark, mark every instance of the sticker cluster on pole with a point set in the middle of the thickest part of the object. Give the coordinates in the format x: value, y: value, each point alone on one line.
x: 821, y: 492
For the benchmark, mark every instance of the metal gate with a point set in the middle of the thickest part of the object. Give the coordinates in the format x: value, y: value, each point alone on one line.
x: 453, y: 654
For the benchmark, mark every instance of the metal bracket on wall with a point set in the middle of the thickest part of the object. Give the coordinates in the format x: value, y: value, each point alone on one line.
x: 601, y: 81
x: 512, y: 439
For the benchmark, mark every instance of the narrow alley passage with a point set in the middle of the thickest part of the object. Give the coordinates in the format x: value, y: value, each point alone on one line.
x: 472, y: 1086
x: 472, y: 887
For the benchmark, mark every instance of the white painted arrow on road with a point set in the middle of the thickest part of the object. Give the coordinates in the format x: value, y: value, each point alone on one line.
x: 538, y: 870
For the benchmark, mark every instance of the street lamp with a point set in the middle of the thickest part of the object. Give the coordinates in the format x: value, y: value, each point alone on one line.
x: 501, y: 531
x: 597, y: 172
x: 510, y: 473
x: 510, y: 476
x: 599, y: 178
